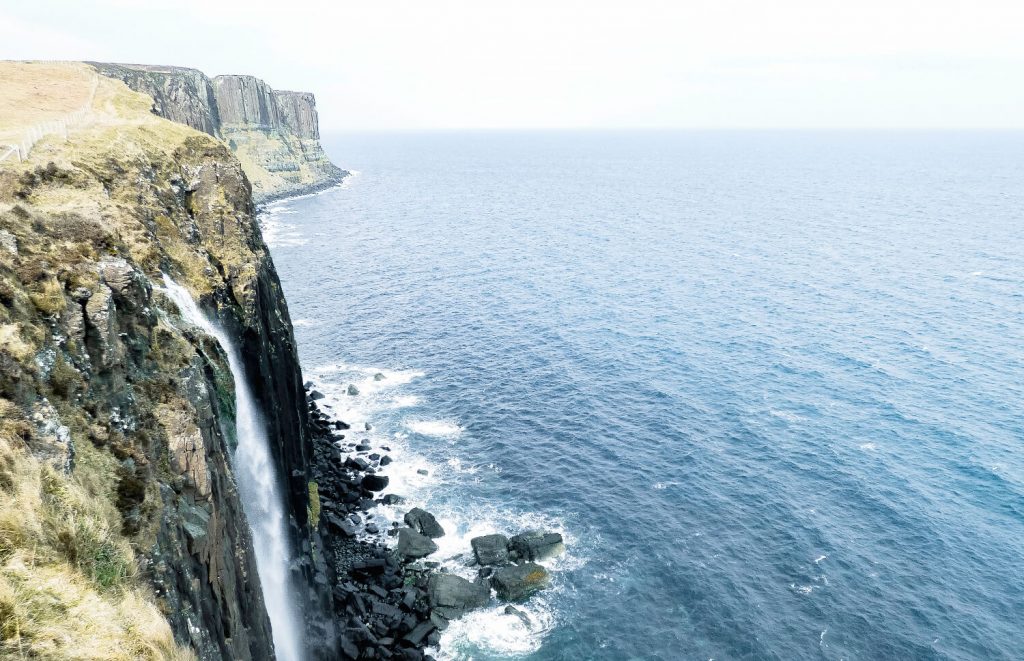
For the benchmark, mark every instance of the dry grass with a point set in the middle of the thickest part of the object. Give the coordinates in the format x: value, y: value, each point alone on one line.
x: 68, y: 580
x: 37, y: 92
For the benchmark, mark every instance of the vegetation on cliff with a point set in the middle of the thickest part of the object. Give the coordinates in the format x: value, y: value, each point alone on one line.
x: 119, y: 519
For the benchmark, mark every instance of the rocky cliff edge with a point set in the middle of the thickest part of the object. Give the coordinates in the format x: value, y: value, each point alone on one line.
x: 274, y: 134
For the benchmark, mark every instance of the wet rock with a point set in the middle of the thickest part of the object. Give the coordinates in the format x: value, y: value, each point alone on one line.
x: 512, y: 610
x: 517, y: 582
x: 392, y: 499
x: 412, y: 545
x: 315, y: 395
x: 367, y: 426
x: 375, y: 482
x: 385, y: 460
x: 450, y: 591
x: 379, y: 376
x: 423, y: 471
x: 490, y: 549
x: 536, y: 545
x: 424, y: 523
x: 352, y: 390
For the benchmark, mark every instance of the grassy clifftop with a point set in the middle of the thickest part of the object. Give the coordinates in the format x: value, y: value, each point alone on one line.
x: 119, y: 520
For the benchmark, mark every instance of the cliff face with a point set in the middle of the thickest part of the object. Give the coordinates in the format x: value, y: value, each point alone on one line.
x: 275, y: 135
x: 105, y: 389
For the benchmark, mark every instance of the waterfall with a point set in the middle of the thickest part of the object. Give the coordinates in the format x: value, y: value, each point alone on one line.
x: 257, y: 486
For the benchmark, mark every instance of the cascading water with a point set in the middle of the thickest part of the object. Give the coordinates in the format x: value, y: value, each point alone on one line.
x: 257, y: 485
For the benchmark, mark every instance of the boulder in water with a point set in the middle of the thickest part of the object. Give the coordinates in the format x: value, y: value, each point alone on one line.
x: 424, y: 523
x: 412, y: 545
x: 512, y: 610
x: 352, y: 390
x: 450, y: 591
x: 517, y: 582
x: 379, y: 376
x: 536, y: 545
x: 375, y: 482
x: 490, y: 549
x: 316, y: 394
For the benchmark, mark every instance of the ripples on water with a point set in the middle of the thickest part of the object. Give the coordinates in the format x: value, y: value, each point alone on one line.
x: 769, y: 385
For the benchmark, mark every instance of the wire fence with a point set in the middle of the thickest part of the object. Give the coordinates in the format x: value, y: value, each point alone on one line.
x: 59, y: 127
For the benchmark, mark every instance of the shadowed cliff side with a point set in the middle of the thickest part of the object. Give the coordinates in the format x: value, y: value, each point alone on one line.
x: 117, y: 415
x: 274, y: 134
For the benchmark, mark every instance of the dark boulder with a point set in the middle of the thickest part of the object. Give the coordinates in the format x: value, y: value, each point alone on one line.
x: 412, y: 545
x: 517, y: 582
x: 490, y: 549
x: 512, y: 610
x: 536, y: 545
x: 375, y: 482
x: 352, y: 390
x: 315, y: 395
x: 424, y: 523
x: 450, y: 591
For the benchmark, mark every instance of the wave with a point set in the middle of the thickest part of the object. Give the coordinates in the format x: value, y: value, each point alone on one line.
x: 383, y: 412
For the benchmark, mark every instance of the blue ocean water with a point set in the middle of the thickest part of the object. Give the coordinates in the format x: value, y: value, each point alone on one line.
x: 768, y: 385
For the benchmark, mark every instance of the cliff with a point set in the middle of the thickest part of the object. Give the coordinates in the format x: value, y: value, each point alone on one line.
x: 274, y: 134
x: 120, y: 520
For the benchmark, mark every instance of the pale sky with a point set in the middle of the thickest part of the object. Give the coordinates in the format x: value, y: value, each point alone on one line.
x: 425, y: 64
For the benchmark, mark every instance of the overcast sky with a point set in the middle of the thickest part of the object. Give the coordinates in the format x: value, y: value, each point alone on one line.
x: 413, y: 64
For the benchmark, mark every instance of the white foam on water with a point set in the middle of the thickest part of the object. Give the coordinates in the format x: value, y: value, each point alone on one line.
x: 436, y: 428
x: 397, y: 425
x: 303, y: 322
x: 493, y: 630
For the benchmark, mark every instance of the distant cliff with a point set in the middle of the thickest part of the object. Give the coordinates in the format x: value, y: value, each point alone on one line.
x: 274, y: 134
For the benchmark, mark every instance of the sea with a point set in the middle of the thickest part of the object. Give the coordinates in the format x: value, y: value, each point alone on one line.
x: 769, y: 386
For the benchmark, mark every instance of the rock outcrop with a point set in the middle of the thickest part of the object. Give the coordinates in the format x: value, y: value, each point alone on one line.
x: 105, y: 384
x: 274, y: 134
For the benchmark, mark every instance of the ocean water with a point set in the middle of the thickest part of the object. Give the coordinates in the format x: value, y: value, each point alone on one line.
x: 768, y: 385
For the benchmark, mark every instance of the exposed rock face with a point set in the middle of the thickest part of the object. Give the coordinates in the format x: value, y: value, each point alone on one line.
x: 275, y: 134
x: 180, y: 94
x: 110, y: 380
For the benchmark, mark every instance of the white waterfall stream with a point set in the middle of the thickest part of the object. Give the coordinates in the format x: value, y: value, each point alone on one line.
x: 257, y: 486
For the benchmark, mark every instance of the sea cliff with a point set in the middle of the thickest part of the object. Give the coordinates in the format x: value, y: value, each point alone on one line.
x: 116, y: 433
x: 274, y: 134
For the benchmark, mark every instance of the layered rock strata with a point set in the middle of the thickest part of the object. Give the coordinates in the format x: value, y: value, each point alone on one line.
x: 275, y: 134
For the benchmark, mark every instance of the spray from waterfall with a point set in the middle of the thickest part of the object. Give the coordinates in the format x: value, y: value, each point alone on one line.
x: 257, y: 486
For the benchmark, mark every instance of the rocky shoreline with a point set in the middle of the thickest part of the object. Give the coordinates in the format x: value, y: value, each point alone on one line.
x: 393, y: 602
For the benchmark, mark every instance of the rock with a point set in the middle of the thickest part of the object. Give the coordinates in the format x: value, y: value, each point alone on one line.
x: 423, y: 471
x: 424, y: 523
x: 367, y: 426
x: 490, y: 549
x: 315, y: 395
x: 375, y: 482
x: 357, y: 463
x: 385, y: 460
x: 450, y: 591
x: 379, y: 376
x: 372, y: 528
x: 352, y: 390
x: 412, y: 545
x: 338, y: 424
x: 535, y: 545
x: 422, y: 630
x: 512, y: 610
x: 308, y: 384
x: 392, y: 499
x: 517, y: 582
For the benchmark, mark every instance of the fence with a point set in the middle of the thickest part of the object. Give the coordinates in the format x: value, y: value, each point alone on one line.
x: 58, y: 126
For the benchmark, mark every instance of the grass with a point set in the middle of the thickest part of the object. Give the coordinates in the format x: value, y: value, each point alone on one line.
x: 69, y: 585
